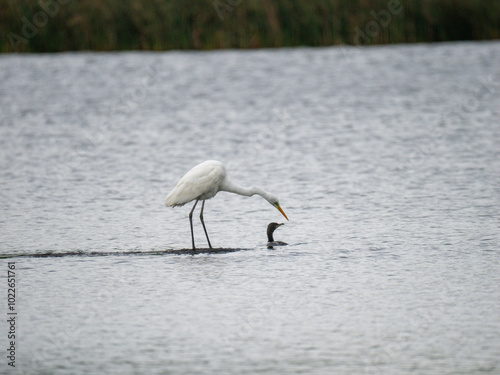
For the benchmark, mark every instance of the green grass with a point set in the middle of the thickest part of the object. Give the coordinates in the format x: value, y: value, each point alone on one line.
x: 104, y: 25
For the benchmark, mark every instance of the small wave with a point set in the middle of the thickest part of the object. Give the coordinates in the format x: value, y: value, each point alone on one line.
x: 81, y: 253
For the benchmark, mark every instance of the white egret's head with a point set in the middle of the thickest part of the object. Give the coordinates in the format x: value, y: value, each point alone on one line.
x: 274, y: 201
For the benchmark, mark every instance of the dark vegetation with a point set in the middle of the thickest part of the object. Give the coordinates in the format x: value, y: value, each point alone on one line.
x: 104, y: 25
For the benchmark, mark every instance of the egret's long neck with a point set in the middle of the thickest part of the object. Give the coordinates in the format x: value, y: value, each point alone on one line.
x: 246, y: 191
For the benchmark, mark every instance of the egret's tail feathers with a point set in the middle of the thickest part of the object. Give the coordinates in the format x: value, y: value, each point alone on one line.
x: 173, y: 199
x: 170, y: 201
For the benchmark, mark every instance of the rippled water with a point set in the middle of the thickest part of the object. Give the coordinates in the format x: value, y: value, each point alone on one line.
x: 385, y: 159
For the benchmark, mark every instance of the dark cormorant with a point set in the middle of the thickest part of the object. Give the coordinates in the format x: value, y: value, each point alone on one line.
x: 270, y: 230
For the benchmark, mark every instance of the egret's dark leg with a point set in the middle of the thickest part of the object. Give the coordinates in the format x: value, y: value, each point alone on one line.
x: 202, y: 222
x: 191, y: 222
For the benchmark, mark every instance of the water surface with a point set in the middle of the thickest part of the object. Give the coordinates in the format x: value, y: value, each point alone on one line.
x: 385, y: 159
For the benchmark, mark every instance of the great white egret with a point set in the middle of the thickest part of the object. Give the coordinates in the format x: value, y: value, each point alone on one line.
x: 270, y: 240
x: 203, y: 182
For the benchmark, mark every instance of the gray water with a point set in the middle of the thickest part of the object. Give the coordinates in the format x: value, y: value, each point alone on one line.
x: 385, y: 160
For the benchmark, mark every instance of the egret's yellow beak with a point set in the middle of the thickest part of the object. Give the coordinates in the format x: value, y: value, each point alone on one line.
x: 279, y: 208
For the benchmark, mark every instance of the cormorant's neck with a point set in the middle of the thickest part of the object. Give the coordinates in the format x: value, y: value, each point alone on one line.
x: 270, y: 235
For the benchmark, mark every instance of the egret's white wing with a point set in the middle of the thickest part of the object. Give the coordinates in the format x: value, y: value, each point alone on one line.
x: 201, y: 182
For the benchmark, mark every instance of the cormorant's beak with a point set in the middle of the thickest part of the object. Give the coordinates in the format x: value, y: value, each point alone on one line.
x: 279, y: 208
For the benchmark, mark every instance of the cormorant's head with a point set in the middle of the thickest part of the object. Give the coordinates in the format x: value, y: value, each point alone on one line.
x: 272, y: 226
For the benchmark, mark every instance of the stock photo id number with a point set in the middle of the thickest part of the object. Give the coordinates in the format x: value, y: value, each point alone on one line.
x: 11, y: 313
